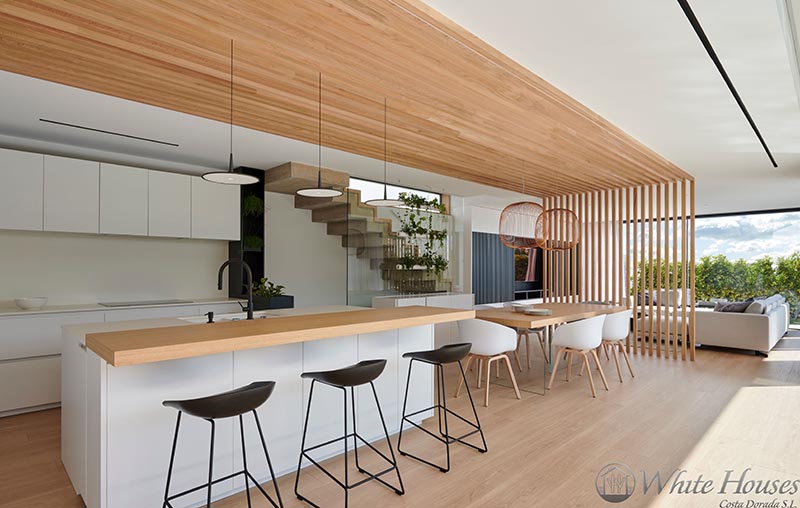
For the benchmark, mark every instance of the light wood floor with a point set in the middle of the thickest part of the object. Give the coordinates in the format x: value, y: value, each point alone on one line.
x: 726, y: 411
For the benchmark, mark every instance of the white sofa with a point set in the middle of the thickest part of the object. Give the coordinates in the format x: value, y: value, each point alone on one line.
x: 755, y: 329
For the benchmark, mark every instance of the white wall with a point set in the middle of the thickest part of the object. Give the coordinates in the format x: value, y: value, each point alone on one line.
x: 75, y: 269
x: 302, y: 256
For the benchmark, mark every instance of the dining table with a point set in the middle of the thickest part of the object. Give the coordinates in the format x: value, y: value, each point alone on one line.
x: 559, y: 314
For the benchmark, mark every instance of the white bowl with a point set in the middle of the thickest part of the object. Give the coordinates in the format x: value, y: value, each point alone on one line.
x: 522, y: 307
x: 31, y: 303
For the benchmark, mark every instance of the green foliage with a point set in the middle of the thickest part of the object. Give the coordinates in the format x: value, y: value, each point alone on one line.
x: 520, y: 264
x: 719, y: 277
x: 253, y: 241
x: 417, y: 224
x: 253, y: 206
x: 267, y: 289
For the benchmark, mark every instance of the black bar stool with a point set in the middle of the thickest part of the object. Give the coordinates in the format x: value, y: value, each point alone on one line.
x: 348, y: 377
x: 452, y: 353
x: 212, y: 408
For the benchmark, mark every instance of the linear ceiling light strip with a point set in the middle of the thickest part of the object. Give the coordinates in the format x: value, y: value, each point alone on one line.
x: 101, y: 131
x: 713, y: 54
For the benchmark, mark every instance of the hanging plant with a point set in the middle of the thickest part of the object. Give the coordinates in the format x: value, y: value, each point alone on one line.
x: 417, y: 223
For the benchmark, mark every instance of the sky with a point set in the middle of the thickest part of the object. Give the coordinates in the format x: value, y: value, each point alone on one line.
x: 749, y: 237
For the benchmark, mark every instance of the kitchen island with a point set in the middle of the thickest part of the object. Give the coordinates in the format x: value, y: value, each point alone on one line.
x: 116, y: 435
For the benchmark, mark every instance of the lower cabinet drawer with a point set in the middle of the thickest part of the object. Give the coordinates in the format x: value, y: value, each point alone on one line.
x: 30, y: 382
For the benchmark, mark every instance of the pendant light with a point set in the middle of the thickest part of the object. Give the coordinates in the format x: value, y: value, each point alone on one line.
x: 230, y: 177
x: 385, y: 202
x: 319, y: 191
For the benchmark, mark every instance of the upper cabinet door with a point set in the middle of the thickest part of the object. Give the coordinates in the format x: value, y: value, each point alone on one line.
x: 71, y: 195
x: 22, y: 177
x: 170, y: 205
x: 123, y: 200
x: 215, y: 210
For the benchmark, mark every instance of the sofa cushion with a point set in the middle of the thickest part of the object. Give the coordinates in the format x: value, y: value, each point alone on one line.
x: 733, y: 306
x: 757, y: 307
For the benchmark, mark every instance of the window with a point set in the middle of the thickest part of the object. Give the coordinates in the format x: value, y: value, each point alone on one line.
x: 374, y: 190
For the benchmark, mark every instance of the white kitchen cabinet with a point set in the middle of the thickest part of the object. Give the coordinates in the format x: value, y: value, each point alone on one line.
x: 215, y: 210
x: 30, y: 383
x: 170, y: 205
x: 71, y: 195
x: 38, y: 335
x: 151, y: 313
x: 22, y: 177
x: 123, y: 200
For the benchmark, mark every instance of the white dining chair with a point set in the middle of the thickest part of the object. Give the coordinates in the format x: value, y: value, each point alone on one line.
x: 583, y: 338
x: 491, y: 342
x: 615, y: 330
x: 522, y: 333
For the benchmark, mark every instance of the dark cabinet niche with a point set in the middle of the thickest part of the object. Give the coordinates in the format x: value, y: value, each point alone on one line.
x: 251, y: 246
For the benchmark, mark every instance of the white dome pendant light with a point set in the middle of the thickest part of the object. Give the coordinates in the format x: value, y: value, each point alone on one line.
x: 385, y: 202
x: 319, y: 191
x: 230, y: 177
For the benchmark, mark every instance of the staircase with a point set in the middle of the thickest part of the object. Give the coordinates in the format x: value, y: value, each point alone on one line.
x: 357, y: 223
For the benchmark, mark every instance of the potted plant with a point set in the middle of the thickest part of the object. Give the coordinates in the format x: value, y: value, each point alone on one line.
x: 268, y: 295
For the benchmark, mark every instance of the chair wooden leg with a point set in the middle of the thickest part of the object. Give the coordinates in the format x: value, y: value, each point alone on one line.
x: 616, y: 360
x: 488, y: 378
x: 599, y: 368
x: 480, y: 372
x: 511, y: 374
x: 516, y: 357
x: 497, y: 370
x: 605, y: 349
x: 461, y: 381
x: 627, y: 360
x: 569, y: 365
x: 589, y: 370
x: 555, y: 369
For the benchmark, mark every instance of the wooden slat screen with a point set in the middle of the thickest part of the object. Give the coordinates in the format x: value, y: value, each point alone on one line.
x: 637, y: 249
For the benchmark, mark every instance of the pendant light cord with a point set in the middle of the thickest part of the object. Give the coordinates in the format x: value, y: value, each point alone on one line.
x: 230, y: 141
x: 319, y: 134
x: 385, y: 183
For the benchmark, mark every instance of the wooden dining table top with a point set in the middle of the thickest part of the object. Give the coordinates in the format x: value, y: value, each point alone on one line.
x: 562, y: 313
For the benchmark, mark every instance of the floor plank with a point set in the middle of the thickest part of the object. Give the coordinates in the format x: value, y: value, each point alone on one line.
x: 727, y: 410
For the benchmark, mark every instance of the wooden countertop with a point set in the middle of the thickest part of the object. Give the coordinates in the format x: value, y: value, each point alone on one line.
x: 133, y: 347
x: 562, y: 313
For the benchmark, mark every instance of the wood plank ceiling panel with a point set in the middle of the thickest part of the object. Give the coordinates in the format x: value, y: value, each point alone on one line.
x: 457, y: 106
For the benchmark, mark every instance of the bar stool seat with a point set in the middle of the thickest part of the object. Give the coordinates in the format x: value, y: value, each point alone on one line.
x: 344, y: 379
x: 452, y: 353
x: 233, y: 403
x: 354, y: 375
x: 226, y: 405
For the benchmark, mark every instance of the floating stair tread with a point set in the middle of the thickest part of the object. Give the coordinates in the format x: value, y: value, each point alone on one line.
x: 290, y: 177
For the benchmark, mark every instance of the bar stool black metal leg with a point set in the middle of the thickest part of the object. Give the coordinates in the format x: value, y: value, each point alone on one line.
x: 346, y: 480
x: 211, y: 464
x: 269, y: 465
x: 355, y: 429
x: 402, y: 489
x: 443, y: 409
x: 405, y: 404
x: 244, y: 463
x: 303, y: 443
x: 474, y: 411
x: 172, y: 461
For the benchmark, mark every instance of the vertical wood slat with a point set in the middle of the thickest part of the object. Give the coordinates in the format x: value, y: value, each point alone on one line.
x: 621, y: 276
x: 573, y: 254
x: 615, y: 288
x: 642, y: 275
x: 635, y: 269
x: 545, y: 262
x: 650, y: 270
x: 659, y: 226
x: 675, y: 268
x: 692, y: 295
x: 606, y: 239
x: 564, y: 261
x: 562, y: 268
x: 667, y: 274
x: 684, y: 258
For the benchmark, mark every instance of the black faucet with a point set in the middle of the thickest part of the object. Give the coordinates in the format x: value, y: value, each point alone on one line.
x: 249, y: 308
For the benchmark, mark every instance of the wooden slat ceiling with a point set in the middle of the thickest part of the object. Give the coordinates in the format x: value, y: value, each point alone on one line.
x: 457, y: 106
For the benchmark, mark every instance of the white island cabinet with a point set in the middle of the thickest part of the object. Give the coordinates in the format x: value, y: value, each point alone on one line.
x: 116, y: 434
